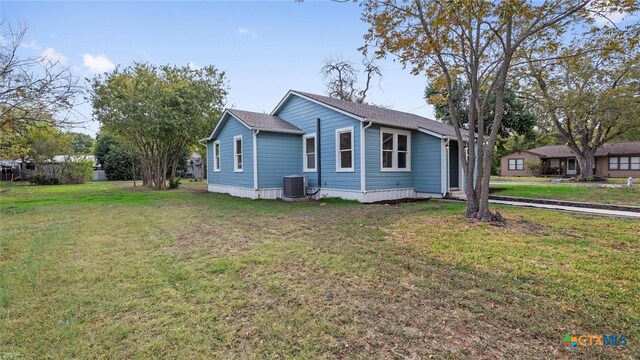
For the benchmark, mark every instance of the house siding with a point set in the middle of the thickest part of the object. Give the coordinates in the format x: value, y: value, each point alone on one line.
x: 602, y: 168
x: 527, y: 156
x: 226, y: 175
x: 304, y: 114
x: 278, y: 155
x: 426, y: 164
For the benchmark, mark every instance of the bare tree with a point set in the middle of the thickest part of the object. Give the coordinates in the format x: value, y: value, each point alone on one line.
x: 340, y: 76
x: 32, y: 86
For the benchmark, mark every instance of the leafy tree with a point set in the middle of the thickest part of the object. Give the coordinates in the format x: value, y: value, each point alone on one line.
x: 82, y: 143
x: 480, y: 41
x: 32, y: 86
x: 591, y: 99
x: 160, y: 110
x: 517, y: 117
x: 340, y: 76
x: 116, y: 159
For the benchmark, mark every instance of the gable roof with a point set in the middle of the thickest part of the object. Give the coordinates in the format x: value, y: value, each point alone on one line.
x: 376, y: 114
x: 266, y: 122
x: 256, y: 121
x: 614, y: 148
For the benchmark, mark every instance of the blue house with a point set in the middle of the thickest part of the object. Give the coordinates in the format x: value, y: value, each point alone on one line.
x: 343, y: 149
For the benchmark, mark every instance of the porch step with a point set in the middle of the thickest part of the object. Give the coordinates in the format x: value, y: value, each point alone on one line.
x: 458, y: 195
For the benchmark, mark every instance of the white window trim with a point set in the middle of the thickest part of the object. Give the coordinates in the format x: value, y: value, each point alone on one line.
x: 353, y: 150
x: 394, y: 160
x: 305, y: 168
x: 216, y: 156
x: 235, y: 153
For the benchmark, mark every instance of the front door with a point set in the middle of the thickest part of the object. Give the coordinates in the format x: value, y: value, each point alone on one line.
x: 571, y: 167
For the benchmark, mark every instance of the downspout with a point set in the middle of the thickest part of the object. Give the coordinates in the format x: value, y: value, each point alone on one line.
x: 363, y: 168
x: 319, y: 151
x: 447, y: 172
x: 255, y: 159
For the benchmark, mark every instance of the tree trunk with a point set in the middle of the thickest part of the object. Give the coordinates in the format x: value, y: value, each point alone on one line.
x: 586, y: 165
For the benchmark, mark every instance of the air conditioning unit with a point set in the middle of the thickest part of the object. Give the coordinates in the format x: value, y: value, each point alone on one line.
x: 293, y: 186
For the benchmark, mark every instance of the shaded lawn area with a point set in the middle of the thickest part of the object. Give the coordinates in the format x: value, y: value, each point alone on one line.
x: 105, y: 270
x: 618, y: 196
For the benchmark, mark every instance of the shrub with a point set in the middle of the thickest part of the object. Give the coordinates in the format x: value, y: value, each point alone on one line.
x: 76, y: 172
x: 174, y: 183
x: 534, y: 166
x: 43, y: 179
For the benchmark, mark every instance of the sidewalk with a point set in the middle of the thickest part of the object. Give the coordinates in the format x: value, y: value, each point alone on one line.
x: 586, y: 210
x: 602, y: 212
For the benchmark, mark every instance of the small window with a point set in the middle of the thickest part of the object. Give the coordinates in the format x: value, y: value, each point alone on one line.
x: 635, y: 163
x: 554, y: 163
x: 216, y: 156
x: 516, y: 164
x: 613, y: 163
x: 395, y: 150
x: 344, y: 149
x: 624, y: 163
x: 309, y: 156
x: 237, y: 151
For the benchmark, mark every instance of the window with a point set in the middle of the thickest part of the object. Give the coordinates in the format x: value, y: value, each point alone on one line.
x: 613, y: 163
x: 216, y: 156
x: 395, y: 150
x: 344, y: 149
x: 554, y: 163
x: 516, y: 164
x: 635, y: 163
x: 624, y: 163
x: 237, y: 153
x: 309, y: 156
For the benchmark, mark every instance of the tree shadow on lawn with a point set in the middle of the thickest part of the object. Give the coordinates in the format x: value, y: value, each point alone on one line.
x: 332, y: 283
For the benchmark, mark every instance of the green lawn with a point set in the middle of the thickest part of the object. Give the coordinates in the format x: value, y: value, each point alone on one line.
x: 569, y: 192
x: 103, y: 270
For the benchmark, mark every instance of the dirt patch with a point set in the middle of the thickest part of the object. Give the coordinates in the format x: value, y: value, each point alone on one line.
x: 527, y: 227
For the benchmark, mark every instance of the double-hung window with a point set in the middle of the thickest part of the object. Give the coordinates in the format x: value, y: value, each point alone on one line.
x: 624, y: 163
x: 635, y: 163
x: 344, y: 149
x: 516, y: 164
x: 309, y: 156
x: 395, y: 150
x: 613, y: 163
x: 237, y: 153
x: 216, y: 155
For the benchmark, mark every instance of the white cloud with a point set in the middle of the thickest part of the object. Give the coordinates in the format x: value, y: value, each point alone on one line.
x: 612, y: 17
x: 97, y: 63
x: 244, y: 31
x: 193, y: 66
x: 52, y: 56
x: 31, y: 45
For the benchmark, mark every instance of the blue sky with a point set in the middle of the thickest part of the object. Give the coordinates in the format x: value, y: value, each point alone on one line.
x: 265, y: 47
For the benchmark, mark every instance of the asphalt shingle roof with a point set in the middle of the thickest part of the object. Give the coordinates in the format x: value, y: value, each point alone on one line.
x: 614, y: 148
x: 266, y: 122
x: 384, y: 115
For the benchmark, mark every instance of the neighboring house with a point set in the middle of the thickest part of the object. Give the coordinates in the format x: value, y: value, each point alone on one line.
x: 348, y: 150
x: 619, y: 159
